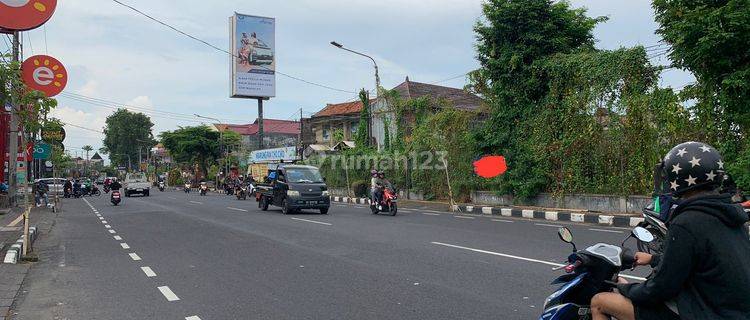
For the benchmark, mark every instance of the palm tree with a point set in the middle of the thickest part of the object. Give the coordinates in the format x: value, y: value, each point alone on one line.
x: 87, y: 148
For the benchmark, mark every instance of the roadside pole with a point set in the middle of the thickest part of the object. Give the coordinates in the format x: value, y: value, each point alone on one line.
x: 13, y: 133
x: 26, y: 241
x: 260, y: 123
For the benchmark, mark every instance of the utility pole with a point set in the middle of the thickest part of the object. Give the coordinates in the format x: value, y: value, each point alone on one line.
x: 13, y: 131
x: 301, y: 144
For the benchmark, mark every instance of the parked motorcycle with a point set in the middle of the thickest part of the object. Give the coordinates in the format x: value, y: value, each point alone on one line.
x: 187, y: 188
x: 588, y: 272
x: 203, y: 189
x: 115, y: 197
x: 388, y: 203
x: 241, y: 193
x: 161, y: 186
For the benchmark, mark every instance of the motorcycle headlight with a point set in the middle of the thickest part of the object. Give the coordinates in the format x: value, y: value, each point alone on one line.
x: 292, y: 193
x: 325, y: 193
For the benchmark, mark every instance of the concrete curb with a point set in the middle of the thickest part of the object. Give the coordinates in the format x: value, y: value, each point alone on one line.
x: 593, y: 218
x: 13, y: 255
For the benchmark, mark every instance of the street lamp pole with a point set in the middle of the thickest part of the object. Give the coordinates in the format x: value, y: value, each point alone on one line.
x: 377, y: 85
x: 221, y: 143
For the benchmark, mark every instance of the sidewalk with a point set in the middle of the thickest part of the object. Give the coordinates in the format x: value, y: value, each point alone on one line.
x: 548, y: 214
x: 11, y: 228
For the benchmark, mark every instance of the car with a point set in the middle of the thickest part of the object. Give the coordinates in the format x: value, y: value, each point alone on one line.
x: 260, y: 53
x: 295, y: 187
x: 136, y: 183
x: 55, y: 185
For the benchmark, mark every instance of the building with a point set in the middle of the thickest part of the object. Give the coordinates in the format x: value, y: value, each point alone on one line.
x: 276, y: 133
x: 437, y: 95
x: 323, y: 125
x: 96, y: 160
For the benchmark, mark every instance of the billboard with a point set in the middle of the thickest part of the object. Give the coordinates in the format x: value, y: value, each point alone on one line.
x: 253, y: 45
x: 273, y: 155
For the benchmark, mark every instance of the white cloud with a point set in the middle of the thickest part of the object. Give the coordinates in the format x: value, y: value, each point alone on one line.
x: 89, y: 88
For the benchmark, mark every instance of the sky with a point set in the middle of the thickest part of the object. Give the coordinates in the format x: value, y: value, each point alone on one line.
x: 114, y: 54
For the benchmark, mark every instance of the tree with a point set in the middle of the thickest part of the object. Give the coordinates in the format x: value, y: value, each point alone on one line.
x: 710, y: 39
x: 125, y: 133
x: 362, y: 140
x: 512, y: 38
x: 87, y: 148
x: 191, y: 145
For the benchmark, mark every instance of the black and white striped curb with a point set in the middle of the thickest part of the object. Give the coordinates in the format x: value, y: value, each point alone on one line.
x: 595, y: 218
x: 13, y: 255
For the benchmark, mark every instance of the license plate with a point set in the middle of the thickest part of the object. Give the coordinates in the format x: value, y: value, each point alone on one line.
x: 138, y: 189
x: 312, y: 202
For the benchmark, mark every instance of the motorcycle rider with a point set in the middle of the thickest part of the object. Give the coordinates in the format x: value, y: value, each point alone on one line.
x: 115, y: 185
x: 67, y: 188
x: 77, y: 188
x: 704, y: 272
x: 376, y: 185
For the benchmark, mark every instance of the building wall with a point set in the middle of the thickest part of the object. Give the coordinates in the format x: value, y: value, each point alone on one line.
x: 324, y: 127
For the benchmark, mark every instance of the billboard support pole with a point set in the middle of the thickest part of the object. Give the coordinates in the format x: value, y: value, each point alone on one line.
x: 260, y: 123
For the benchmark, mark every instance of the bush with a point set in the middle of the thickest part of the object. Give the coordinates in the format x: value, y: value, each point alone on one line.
x: 361, y: 188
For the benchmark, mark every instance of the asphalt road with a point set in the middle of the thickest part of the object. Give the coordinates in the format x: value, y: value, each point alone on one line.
x: 183, y: 256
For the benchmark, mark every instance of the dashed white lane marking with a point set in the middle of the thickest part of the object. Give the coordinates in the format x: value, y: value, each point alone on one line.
x: 463, y: 217
x: 548, y: 225
x: 605, y: 230
x: 134, y: 256
x: 118, y: 238
x: 108, y: 226
x: 192, y: 318
x: 236, y: 209
x: 196, y: 202
x: 312, y: 221
x: 519, y: 258
x: 429, y: 214
x: 124, y: 245
x: 501, y: 220
x: 149, y: 273
x: 112, y: 231
x: 168, y: 293
x: 101, y: 218
x: 104, y: 221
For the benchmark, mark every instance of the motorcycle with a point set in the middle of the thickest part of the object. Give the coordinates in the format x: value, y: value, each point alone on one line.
x: 161, y: 186
x: 77, y: 193
x: 106, y: 188
x: 115, y: 197
x: 68, y: 192
x: 388, y: 203
x: 95, y: 191
x: 203, y: 189
x: 187, y: 188
x: 241, y: 193
x: 588, y: 272
x: 656, y: 227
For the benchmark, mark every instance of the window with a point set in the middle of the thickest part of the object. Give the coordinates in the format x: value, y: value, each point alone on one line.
x: 326, y: 134
x: 353, y: 127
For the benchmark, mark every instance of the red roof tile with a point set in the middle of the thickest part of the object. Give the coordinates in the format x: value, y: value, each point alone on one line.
x: 340, y: 109
x: 269, y: 126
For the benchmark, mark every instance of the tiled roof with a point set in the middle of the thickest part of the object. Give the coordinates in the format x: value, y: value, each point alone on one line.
x: 340, y: 109
x: 458, y: 97
x: 269, y: 126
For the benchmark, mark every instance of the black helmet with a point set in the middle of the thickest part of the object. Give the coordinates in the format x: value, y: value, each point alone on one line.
x: 692, y: 165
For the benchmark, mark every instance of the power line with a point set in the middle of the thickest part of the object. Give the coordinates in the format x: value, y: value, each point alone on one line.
x: 451, y: 78
x: 46, y: 49
x: 222, y: 50
x: 31, y: 46
x: 80, y: 127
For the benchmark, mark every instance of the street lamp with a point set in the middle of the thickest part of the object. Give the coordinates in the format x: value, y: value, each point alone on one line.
x: 377, y: 85
x: 221, y: 143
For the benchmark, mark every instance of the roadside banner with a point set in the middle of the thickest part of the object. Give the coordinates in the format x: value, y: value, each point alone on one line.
x: 273, y: 155
x: 253, y: 46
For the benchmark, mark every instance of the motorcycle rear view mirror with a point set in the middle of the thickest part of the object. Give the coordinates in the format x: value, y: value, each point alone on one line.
x: 642, y: 234
x: 565, y: 234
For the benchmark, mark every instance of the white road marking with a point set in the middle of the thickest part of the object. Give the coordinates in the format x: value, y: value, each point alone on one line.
x: 108, y: 226
x: 548, y: 225
x: 15, y: 222
x: 112, y: 231
x: 149, y: 273
x: 124, y: 245
x: 168, y: 293
x: 312, y: 221
x: 118, y: 238
x: 104, y: 221
x: 236, y: 209
x: 520, y: 258
x: 463, y: 217
x: 192, y: 318
x: 134, y: 256
x: 429, y: 214
x: 196, y: 202
x: 605, y: 230
x: 501, y: 220
x: 433, y: 211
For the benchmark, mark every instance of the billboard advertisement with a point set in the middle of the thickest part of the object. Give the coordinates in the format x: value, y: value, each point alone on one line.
x: 253, y: 45
x: 273, y: 155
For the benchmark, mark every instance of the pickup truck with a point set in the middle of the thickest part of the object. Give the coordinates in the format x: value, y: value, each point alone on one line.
x: 136, y: 183
x: 293, y: 188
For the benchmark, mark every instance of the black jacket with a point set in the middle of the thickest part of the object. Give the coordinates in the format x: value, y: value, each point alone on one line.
x: 706, y: 262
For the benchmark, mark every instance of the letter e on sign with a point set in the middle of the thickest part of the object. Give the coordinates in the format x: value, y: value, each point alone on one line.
x: 45, y: 74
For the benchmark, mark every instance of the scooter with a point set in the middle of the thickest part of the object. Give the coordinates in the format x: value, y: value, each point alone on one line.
x: 161, y: 186
x: 204, y: 189
x: 95, y: 191
x: 388, y: 203
x: 187, y: 188
x: 656, y: 227
x: 106, y: 188
x: 115, y: 197
x: 242, y: 193
x: 588, y: 272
